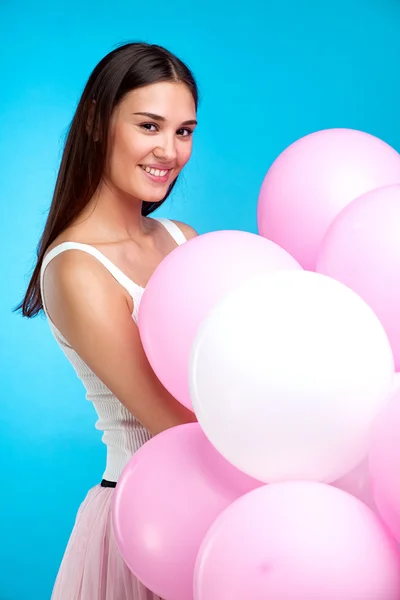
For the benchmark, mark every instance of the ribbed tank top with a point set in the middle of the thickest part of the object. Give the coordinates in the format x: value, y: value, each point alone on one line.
x: 122, y: 433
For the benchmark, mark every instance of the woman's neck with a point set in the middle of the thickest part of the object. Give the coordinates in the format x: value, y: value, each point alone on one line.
x: 114, y: 216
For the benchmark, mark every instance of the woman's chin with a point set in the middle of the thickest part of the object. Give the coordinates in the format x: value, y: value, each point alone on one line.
x: 153, y: 195
x: 149, y: 192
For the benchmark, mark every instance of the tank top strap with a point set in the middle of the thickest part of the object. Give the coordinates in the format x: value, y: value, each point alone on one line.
x: 130, y: 286
x: 173, y: 229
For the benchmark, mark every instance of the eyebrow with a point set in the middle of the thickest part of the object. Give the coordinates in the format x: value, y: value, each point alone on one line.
x: 160, y: 118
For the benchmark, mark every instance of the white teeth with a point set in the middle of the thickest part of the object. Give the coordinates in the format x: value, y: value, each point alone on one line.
x: 155, y: 172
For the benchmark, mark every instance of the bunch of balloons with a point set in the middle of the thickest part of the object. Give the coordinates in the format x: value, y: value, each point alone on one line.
x: 285, y: 344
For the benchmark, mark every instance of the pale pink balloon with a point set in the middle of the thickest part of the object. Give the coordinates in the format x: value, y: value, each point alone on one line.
x: 168, y: 496
x: 385, y: 463
x: 314, y: 179
x: 388, y: 512
x: 362, y: 250
x: 298, y: 541
x: 186, y: 285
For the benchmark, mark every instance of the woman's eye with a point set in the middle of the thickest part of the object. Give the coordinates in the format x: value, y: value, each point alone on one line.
x: 148, y: 127
x: 153, y: 128
x: 185, y: 132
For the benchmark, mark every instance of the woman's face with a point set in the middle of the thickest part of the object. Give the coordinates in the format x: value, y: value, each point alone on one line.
x: 150, y: 140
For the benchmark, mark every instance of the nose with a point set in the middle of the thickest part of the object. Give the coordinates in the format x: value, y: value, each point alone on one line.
x: 166, y: 149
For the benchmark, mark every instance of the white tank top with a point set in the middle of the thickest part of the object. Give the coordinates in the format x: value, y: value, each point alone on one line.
x: 122, y: 433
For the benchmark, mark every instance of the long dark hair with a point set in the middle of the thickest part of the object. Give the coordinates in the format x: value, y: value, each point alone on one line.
x: 83, y: 161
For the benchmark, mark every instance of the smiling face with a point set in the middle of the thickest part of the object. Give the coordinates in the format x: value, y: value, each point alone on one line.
x: 150, y: 140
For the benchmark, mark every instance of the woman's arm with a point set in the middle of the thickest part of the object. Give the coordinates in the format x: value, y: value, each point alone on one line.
x: 93, y: 313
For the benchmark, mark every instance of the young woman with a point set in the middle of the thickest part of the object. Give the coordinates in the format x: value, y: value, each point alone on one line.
x: 129, y: 139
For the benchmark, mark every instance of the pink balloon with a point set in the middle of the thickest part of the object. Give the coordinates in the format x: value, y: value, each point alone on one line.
x: 169, y: 494
x: 186, y: 285
x: 314, y: 179
x: 385, y: 463
x: 362, y: 250
x: 298, y: 541
x: 389, y: 513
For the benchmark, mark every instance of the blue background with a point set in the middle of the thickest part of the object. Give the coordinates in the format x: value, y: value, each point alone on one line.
x: 269, y: 73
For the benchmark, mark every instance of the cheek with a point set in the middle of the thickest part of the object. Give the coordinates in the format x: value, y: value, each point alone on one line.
x: 132, y: 146
x: 184, y: 153
x: 128, y: 151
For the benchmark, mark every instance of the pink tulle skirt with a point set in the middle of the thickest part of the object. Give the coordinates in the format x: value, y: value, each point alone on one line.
x: 92, y: 567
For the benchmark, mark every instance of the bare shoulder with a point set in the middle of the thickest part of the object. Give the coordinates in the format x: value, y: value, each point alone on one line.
x: 72, y: 268
x: 186, y: 229
x: 75, y: 283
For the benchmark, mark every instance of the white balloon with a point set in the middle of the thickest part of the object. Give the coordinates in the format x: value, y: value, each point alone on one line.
x: 396, y: 383
x: 287, y: 374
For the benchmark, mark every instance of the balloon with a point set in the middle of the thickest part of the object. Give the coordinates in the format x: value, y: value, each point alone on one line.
x: 396, y: 382
x: 385, y: 463
x: 389, y: 513
x: 188, y: 282
x: 287, y: 375
x: 314, y: 179
x: 297, y: 541
x: 362, y: 250
x: 169, y: 494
